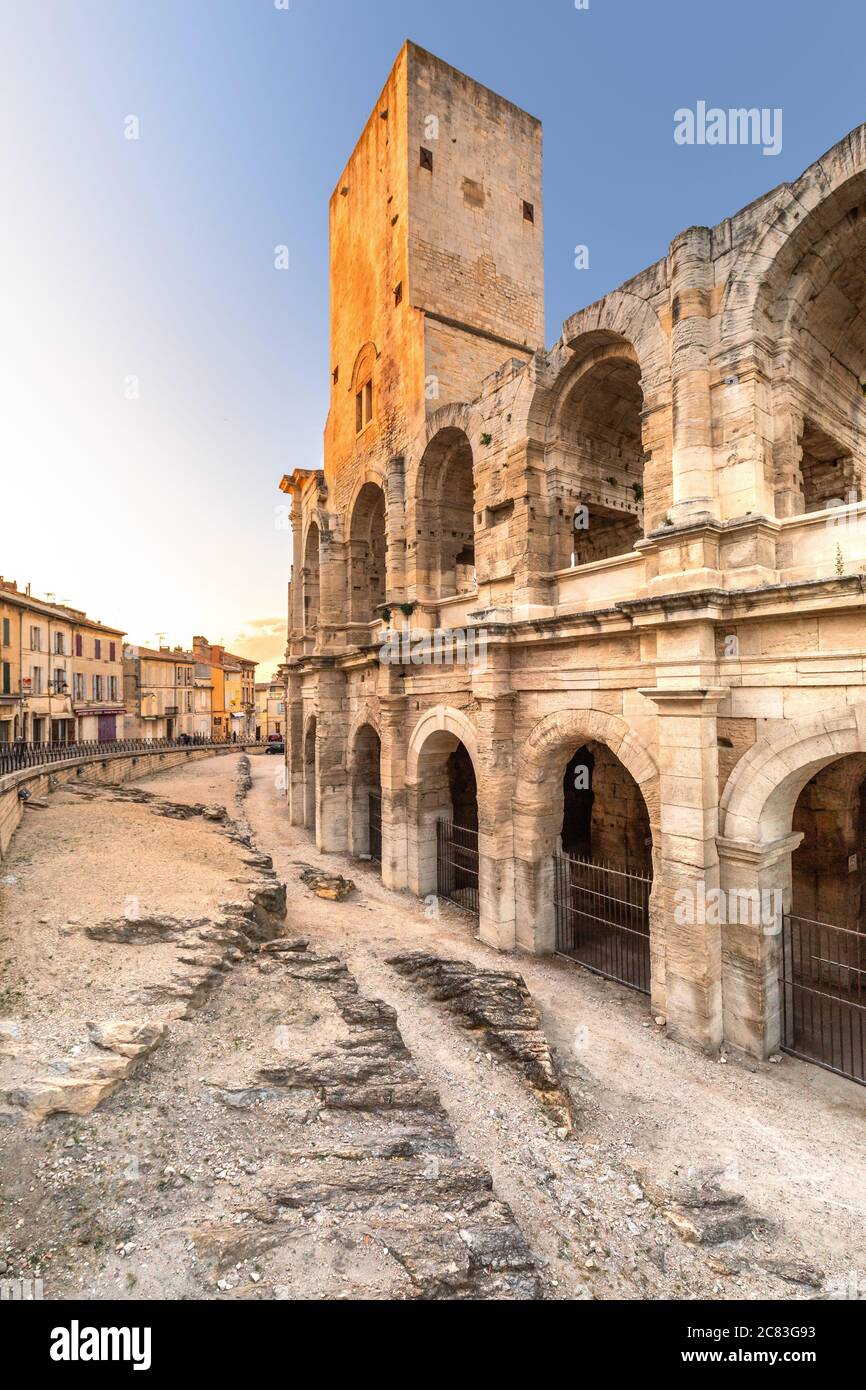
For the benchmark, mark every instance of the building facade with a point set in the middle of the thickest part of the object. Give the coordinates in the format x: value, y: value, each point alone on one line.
x: 270, y: 710
x: 586, y: 626
x: 160, y: 693
x: 64, y: 672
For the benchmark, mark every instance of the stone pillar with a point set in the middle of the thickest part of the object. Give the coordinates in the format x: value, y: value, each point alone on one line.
x: 395, y: 512
x: 691, y: 990
x: 394, y: 727
x: 756, y: 891
x: 332, y: 811
x: 491, y: 689
x: 691, y: 284
x: 532, y: 542
x: 295, y: 749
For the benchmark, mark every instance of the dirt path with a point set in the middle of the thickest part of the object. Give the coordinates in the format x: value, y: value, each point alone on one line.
x: 789, y: 1137
x: 252, y: 1154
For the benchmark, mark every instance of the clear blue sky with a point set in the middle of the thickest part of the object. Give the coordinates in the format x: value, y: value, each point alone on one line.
x: 154, y: 258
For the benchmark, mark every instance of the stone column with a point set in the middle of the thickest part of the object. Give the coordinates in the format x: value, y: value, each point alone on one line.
x: 295, y: 749
x: 394, y: 725
x: 756, y: 891
x: 395, y: 505
x: 332, y: 818
x: 691, y: 990
x: 691, y: 284
x: 491, y: 689
x: 531, y: 540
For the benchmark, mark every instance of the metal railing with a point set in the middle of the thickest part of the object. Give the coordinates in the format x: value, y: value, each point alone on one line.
x: 16, y: 756
x: 602, y: 919
x: 823, y: 985
x: 375, y: 814
x: 457, y: 864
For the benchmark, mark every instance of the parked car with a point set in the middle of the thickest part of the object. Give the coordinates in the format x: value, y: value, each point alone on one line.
x: 275, y: 747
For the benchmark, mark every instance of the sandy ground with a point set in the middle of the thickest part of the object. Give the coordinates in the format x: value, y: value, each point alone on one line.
x: 131, y: 1200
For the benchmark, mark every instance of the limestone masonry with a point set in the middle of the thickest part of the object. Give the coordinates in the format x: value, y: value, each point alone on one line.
x: 655, y: 533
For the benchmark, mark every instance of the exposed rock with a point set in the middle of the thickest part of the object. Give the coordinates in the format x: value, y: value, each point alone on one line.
x: 127, y: 1039
x: 214, y: 813
x: 332, y: 887
x: 89, y: 1081
x: 498, y: 1004
x: 794, y: 1272
x: 701, y: 1211
x: 144, y: 931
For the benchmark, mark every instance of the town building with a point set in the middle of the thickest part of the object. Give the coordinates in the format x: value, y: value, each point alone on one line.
x: 270, y: 710
x: 232, y: 682
x: 577, y: 636
x: 64, y: 672
x: 160, y: 693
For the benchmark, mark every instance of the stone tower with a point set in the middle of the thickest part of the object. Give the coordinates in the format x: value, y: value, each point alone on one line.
x: 437, y: 268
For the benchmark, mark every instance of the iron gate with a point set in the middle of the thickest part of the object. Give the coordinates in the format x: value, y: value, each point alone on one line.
x: 602, y: 919
x: 375, y: 813
x: 457, y: 864
x: 823, y: 987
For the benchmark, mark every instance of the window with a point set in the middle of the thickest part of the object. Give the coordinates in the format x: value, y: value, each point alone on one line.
x: 112, y: 688
x: 7, y: 677
x: 35, y: 639
x: 364, y: 407
x: 98, y: 688
x: 336, y: 375
x: 528, y: 212
x: 79, y: 644
x: 7, y: 636
x: 36, y: 680
x: 97, y: 649
x: 426, y: 159
x: 59, y: 643
x: 398, y: 294
x: 112, y: 651
x: 78, y: 687
x: 60, y: 682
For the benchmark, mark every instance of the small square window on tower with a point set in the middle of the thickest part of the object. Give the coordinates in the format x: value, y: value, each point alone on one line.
x: 528, y: 212
x: 426, y: 159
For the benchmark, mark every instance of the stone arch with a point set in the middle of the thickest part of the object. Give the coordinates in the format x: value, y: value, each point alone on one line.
x: 603, y: 407
x: 310, y: 578
x: 755, y: 853
x: 364, y: 747
x: 437, y: 737
x: 785, y: 229
x: 538, y: 809
x: 367, y: 532
x: 542, y: 758
x: 443, y: 718
x: 759, y: 799
x: 444, y: 509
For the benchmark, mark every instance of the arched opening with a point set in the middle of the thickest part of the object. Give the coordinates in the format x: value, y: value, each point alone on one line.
x: 823, y: 965
x: 310, y: 777
x: 583, y: 847
x: 365, y: 834
x: 446, y: 821
x: 600, y: 455
x: 445, y: 550
x: 603, y: 869
x: 310, y: 579
x: 813, y: 305
x: 367, y: 554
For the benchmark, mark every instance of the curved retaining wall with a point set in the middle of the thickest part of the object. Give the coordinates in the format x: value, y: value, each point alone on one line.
x: 106, y: 768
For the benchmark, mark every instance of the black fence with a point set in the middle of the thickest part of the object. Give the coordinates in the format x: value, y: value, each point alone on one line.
x: 602, y: 919
x: 823, y: 985
x: 375, y: 812
x: 16, y: 756
x: 457, y: 865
